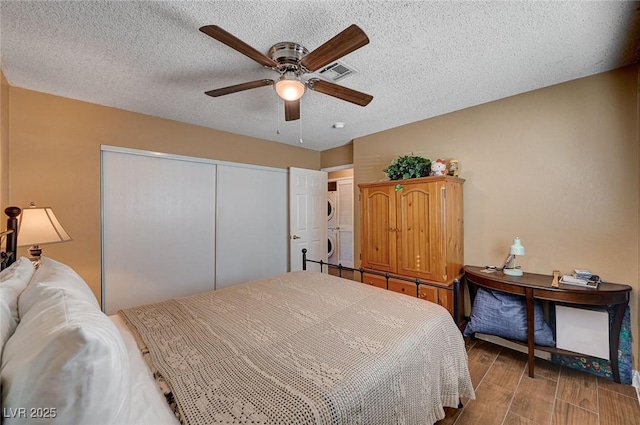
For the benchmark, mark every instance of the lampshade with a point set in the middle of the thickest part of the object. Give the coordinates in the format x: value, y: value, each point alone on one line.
x: 39, y: 226
x: 289, y: 88
x: 517, y: 248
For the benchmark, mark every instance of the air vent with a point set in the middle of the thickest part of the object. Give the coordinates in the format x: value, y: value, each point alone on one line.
x: 336, y: 71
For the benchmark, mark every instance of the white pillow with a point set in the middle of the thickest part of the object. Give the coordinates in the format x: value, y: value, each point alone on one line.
x: 13, y: 280
x: 55, y: 274
x: 68, y: 356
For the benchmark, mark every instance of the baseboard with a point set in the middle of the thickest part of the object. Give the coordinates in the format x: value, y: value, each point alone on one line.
x: 636, y: 382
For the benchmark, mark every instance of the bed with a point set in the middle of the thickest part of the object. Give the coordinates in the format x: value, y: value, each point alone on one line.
x: 300, y: 348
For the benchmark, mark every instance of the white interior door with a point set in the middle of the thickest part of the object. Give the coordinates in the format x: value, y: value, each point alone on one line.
x: 307, y: 216
x: 345, y: 221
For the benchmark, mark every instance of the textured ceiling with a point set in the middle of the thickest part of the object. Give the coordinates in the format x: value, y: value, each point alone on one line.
x: 424, y: 58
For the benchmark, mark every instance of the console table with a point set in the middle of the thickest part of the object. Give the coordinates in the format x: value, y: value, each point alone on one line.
x: 537, y: 286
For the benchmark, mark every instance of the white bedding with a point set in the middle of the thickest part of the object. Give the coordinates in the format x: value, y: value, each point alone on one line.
x: 303, y: 347
x: 148, y: 405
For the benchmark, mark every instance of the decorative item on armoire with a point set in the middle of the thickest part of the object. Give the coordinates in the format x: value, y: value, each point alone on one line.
x: 408, y: 167
x: 439, y: 167
x: 453, y: 168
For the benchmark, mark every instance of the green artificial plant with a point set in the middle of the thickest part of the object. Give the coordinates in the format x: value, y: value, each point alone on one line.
x: 408, y: 167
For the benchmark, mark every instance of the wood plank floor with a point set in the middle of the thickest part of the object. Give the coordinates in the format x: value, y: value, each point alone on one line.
x: 505, y: 395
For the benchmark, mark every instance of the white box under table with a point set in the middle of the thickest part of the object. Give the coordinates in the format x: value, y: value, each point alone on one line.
x: 583, y: 331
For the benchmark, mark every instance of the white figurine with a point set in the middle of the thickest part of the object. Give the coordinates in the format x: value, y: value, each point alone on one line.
x: 439, y: 167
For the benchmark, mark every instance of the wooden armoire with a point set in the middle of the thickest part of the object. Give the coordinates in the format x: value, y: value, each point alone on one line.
x: 414, y: 230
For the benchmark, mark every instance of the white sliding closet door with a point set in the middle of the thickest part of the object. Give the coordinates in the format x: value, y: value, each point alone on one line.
x: 158, y: 238
x: 251, y: 232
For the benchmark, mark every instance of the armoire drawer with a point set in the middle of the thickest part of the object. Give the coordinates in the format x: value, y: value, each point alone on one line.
x: 440, y: 296
x: 428, y: 293
x: 375, y: 280
x: 445, y: 299
x: 402, y: 287
x: 395, y: 285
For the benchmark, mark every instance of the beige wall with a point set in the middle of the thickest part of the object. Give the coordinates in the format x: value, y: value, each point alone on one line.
x: 558, y: 167
x: 339, y: 174
x: 4, y: 145
x: 55, y: 161
x: 342, y: 155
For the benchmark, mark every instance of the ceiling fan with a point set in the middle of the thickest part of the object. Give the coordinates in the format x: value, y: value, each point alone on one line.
x: 292, y: 61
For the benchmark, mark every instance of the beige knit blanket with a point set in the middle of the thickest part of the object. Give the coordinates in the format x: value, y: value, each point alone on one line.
x: 304, y: 348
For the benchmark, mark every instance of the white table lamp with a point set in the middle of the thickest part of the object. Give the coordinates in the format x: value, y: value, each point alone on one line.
x: 515, y: 250
x: 39, y: 226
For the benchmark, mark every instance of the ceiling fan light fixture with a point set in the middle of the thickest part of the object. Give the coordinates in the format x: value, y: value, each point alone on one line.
x: 290, y: 89
x: 292, y: 60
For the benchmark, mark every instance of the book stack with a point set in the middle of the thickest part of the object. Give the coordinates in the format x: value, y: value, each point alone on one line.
x: 581, y: 278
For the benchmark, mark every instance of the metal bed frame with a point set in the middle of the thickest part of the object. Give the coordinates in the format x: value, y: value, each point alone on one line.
x: 455, y: 288
x: 8, y: 256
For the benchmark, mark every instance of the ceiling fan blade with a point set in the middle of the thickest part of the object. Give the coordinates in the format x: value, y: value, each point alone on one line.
x: 342, y: 44
x: 341, y: 92
x: 238, y: 87
x: 237, y: 44
x: 292, y: 110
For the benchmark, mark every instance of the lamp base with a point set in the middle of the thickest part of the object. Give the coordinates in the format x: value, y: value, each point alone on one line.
x: 512, y: 272
x: 35, y: 252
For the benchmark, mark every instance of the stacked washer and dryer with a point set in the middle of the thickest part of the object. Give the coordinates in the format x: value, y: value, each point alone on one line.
x: 332, y: 224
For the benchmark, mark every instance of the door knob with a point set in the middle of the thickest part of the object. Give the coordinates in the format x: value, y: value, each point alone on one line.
x: 295, y: 237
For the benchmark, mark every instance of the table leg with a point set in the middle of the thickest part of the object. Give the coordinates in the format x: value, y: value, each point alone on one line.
x: 614, y: 339
x: 530, y: 330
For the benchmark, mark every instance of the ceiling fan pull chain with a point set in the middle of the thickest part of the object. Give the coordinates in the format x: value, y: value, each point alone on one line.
x: 301, y: 141
x: 278, y: 114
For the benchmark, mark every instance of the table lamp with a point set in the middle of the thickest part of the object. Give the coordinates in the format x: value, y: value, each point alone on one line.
x: 39, y: 226
x: 515, y: 250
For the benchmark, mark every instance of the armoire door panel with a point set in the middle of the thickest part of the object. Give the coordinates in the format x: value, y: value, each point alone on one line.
x: 419, y: 251
x: 415, y: 245
x: 379, y: 231
x: 454, y: 228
